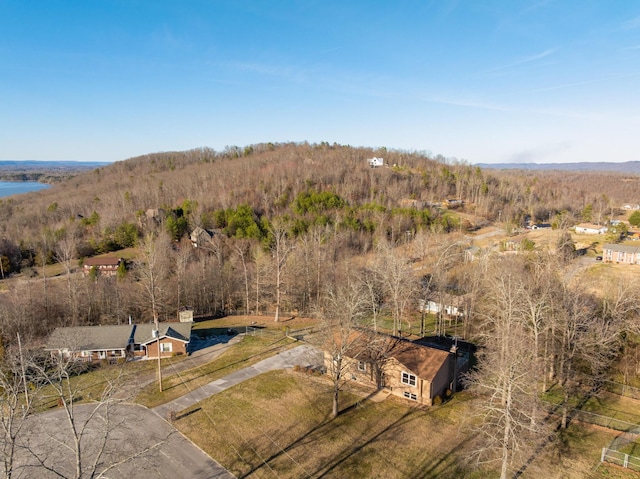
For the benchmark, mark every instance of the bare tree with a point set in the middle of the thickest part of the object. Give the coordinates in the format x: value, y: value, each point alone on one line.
x: 242, y: 249
x: 76, y: 441
x: 182, y: 259
x: 15, y: 407
x: 65, y: 253
x: 399, y: 282
x: 153, y: 273
x: 281, y: 247
x: 504, y: 421
x: 373, y: 288
x: 343, y: 309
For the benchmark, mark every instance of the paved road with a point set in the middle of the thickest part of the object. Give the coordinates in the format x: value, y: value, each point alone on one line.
x: 139, y: 439
x: 304, y: 355
x: 138, y: 443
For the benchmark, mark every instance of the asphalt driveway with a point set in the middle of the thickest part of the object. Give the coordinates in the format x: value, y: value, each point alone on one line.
x: 121, y: 441
x: 304, y: 355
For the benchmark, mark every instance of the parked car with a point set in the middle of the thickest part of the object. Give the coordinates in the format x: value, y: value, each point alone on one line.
x: 598, y: 258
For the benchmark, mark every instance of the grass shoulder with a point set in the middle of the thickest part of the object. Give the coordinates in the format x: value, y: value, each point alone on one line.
x: 247, y: 352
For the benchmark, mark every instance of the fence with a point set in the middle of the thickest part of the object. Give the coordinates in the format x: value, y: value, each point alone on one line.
x: 621, y: 459
x: 604, y: 421
x: 622, y: 390
x: 593, y: 418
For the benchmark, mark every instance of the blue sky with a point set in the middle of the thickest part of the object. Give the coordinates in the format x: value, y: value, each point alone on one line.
x: 482, y: 80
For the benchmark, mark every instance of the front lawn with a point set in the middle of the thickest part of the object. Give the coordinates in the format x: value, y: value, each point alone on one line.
x: 278, y: 425
x: 248, y: 351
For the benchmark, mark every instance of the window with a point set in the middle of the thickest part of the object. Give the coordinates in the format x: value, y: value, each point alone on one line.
x: 362, y: 366
x: 165, y: 347
x: 409, y: 379
x: 411, y: 396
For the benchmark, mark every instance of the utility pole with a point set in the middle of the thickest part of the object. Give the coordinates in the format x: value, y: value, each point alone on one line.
x: 24, y: 376
x: 157, y: 333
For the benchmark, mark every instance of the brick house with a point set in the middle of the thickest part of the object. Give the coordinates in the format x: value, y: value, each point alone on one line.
x: 173, y: 338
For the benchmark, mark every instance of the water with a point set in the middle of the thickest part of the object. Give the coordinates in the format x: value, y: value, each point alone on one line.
x: 8, y: 188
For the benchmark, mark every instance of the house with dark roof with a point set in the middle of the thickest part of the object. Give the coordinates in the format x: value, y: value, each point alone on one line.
x: 407, y: 369
x: 106, y: 265
x: 126, y: 341
x: 621, y: 253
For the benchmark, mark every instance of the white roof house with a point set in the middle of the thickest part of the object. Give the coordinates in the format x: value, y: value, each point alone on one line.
x: 376, y: 162
x: 591, y: 229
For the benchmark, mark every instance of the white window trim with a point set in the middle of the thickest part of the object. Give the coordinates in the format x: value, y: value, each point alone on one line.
x: 412, y: 396
x: 411, y: 379
x: 166, y: 347
x: 362, y: 366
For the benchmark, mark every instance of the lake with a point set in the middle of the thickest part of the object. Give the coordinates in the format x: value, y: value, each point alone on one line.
x: 8, y: 188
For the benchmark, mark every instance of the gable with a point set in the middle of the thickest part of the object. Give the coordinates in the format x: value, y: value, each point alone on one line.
x: 423, y: 361
x: 143, y: 333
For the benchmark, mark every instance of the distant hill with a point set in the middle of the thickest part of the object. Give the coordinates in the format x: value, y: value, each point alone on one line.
x: 31, y: 165
x: 623, y: 167
x: 44, y: 171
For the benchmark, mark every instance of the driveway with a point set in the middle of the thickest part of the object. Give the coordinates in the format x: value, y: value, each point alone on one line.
x: 120, y: 440
x: 304, y: 355
x: 124, y: 440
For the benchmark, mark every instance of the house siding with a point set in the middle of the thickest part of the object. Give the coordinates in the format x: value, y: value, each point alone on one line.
x: 177, y: 347
x: 614, y: 253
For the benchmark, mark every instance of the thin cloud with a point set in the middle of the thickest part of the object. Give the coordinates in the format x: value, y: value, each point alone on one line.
x: 330, y: 50
x: 523, y: 61
x: 536, y: 6
x: 631, y: 24
x: 585, y: 82
x: 535, y: 155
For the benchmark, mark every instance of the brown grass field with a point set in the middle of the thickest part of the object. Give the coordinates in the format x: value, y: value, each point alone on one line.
x: 278, y: 425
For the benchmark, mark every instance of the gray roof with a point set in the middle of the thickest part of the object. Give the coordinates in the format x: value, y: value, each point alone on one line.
x: 99, y: 338
x: 90, y: 338
x: 621, y: 247
x: 144, y: 332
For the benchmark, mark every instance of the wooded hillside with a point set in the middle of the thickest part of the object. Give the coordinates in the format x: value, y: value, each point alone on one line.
x: 313, y: 207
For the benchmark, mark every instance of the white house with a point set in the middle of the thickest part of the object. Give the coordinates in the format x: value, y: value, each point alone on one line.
x: 591, y: 229
x: 376, y: 162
